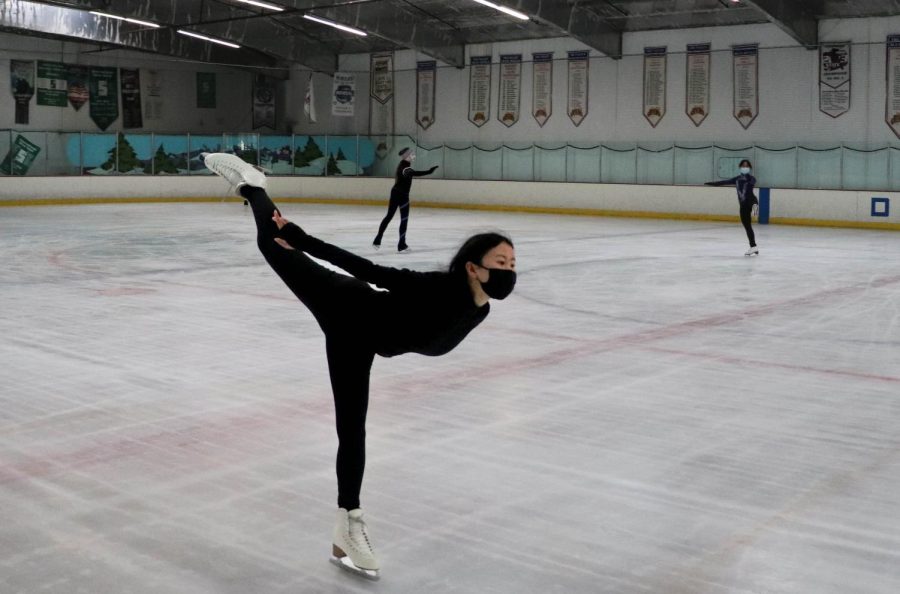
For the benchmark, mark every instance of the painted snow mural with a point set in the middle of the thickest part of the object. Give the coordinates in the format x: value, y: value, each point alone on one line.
x: 159, y: 154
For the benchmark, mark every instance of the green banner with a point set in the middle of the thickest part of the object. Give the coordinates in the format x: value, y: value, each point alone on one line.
x: 131, y: 99
x: 20, y: 157
x: 206, y: 89
x: 52, y: 84
x: 104, y: 96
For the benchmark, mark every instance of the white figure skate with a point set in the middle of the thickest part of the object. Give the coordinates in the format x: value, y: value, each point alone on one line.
x: 754, y: 251
x: 235, y: 170
x: 351, y: 549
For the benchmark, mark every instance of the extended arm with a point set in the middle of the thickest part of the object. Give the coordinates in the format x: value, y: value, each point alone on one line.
x: 410, y: 172
x: 722, y: 182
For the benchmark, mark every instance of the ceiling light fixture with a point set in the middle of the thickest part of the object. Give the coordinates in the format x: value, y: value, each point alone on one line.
x: 127, y: 19
x: 210, y: 39
x: 335, y: 25
x: 505, y: 10
x: 262, y: 5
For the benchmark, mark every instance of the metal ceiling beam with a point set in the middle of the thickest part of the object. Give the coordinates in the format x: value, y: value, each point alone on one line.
x: 251, y: 29
x: 79, y: 25
x: 579, y: 23
x: 400, y: 27
x: 797, y: 18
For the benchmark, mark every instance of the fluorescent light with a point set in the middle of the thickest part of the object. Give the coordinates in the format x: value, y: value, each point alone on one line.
x: 503, y: 9
x: 109, y: 16
x: 127, y: 19
x: 144, y: 23
x: 262, y: 5
x: 210, y: 39
x: 335, y: 25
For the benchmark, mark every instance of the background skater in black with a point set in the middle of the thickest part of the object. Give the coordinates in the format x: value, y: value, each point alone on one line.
x: 747, y: 199
x: 400, y: 197
x: 437, y: 311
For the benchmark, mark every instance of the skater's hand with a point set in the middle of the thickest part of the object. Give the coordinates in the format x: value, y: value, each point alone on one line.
x: 434, y: 168
x: 756, y: 210
x: 279, y: 220
x: 283, y: 243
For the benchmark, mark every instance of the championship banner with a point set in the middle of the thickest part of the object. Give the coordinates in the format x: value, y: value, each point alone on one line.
x: 381, y: 102
x: 425, y: 86
x: 510, y: 95
x: 206, y: 90
x: 104, y: 106
x: 21, y: 74
x: 263, y: 102
x: 131, y: 98
x: 479, y: 90
x: 746, y: 83
x: 343, y: 94
x: 654, y: 84
x: 542, y: 87
x: 834, y: 78
x: 696, y: 92
x: 309, y: 100
x: 892, y: 99
x: 52, y: 84
x: 19, y: 157
x: 77, y: 82
x: 577, y: 107
x: 381, y: 77
x: 153, y: 106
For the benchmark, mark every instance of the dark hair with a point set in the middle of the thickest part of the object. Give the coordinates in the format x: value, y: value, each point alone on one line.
x: 474, y: 249
x: 747, y: 161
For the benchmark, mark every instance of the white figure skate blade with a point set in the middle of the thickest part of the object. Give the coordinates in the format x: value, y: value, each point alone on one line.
x: 347, y: 565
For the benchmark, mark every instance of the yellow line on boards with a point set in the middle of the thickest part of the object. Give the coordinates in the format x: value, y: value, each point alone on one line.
x: 841, y: 224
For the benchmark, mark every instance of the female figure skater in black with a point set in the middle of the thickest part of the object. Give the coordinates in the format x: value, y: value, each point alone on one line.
x: 400, y: 197
x: 747, y: 199
x: 437, y: 310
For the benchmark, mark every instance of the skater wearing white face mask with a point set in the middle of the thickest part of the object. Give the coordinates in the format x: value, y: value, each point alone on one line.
x: 400, y: 197
x: 744, y: 183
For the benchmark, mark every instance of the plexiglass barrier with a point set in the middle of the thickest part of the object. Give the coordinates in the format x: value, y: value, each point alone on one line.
x: 842, y: 166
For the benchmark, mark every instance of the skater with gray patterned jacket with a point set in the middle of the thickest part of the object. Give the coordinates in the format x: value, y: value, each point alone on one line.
x: 749, y: 205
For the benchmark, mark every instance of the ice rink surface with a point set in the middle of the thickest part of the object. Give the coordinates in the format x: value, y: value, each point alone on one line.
x: 650, y: 411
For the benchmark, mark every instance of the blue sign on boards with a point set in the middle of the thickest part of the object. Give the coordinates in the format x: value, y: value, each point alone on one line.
x: 881, y: 207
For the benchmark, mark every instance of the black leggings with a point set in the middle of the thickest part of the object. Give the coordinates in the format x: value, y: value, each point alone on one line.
x: 332, y: 298
x: 398, y: 200
x: 746, y: 214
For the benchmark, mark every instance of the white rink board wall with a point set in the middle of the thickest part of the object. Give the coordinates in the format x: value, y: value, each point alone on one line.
x: 838, y: 207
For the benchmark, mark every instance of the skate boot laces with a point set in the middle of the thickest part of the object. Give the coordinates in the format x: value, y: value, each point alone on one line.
x: 359, y: 535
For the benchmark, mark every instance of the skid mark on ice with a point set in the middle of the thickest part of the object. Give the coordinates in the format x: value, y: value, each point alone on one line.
x: 743, y: 361
x: 404, y: 388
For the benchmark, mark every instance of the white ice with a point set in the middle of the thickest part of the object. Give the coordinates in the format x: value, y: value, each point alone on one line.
x: 650, y: 411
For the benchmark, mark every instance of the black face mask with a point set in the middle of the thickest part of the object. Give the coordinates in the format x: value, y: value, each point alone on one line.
x: 500, y: 282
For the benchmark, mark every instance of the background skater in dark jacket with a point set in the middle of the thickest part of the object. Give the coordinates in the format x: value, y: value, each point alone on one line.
x: 400, y: 197
x: 747, y: 199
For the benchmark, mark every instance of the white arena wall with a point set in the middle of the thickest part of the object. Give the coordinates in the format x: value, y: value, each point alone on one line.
x: 843, y: 208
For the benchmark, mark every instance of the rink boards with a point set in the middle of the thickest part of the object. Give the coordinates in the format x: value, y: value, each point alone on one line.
x: 841, y: 208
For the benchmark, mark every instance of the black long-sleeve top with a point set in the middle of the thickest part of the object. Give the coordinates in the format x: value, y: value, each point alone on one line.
x: 404, y: 175
x: 744, y: 184
x: 428, y: 313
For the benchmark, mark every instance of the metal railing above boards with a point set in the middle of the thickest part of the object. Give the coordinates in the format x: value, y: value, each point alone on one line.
x: 842, y: 166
